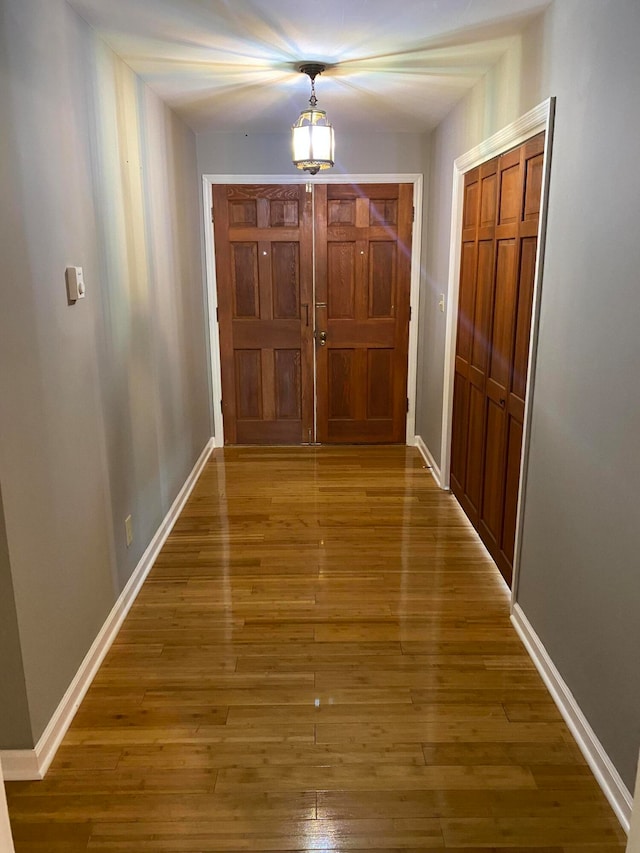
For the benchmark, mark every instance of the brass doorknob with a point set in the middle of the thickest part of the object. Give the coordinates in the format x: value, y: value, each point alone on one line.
x: 321, y: 337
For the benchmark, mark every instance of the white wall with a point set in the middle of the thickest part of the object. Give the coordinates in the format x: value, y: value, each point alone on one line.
x: 579, y: 579
x: 270, y: 154
x: 104, y: 404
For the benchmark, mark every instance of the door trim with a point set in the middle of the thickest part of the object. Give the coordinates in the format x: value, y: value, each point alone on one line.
x: 208, y: 182
x: 538, y: 119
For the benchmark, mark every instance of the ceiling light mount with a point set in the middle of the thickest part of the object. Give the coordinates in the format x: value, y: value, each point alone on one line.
x: 312, y: 70
x: 313, y: 138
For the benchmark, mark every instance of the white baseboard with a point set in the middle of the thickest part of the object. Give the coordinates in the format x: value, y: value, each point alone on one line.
x: 601, y: 765
x: 428, y: 458
x: 25, y: 764
x: 20, y: 764
x: 6, y: 840
x: 633, y: 845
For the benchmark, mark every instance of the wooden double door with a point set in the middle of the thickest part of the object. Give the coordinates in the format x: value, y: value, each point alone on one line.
x: 313, y: 310
x: 498, y: 258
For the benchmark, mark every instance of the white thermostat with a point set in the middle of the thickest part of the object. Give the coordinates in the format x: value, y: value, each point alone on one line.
x: 75, y: 283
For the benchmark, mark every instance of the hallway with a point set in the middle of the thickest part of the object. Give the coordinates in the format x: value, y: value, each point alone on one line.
x: 321, y: 659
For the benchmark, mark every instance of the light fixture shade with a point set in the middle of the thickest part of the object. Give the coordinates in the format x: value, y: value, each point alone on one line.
x: 313, y: 141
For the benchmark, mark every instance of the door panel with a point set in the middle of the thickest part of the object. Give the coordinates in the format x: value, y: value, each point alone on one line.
x: 263, y: 238
x: 471, y: 190
x: 483, y: 306
x: 460, y: 422
x: 533, y: 186
x: 285, y: 275
x: 382, y: 278
x: 341, y: 280
x: 363, y: 251
x: 491, y: 512
x: 288, y: 391
x: 509, y: 198
x: 503, y: 309
x: 467, y: 301
x: 380, y: 384
x: 498, y: 256
x: 489, y: 198
x: 248, y: 364
x: 244, y: 280
x: 341, y: 376
x: 474, y: 467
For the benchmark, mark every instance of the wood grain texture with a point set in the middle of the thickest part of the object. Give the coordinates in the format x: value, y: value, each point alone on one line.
x: 263, y: 239
x: 321, y: 659
x: 498, y: 255
x: 363, y: 277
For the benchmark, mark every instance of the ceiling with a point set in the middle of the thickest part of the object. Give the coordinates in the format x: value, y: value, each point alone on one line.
x: 231, y: 65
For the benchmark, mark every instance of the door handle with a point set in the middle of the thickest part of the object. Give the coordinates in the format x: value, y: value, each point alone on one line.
x: 321, y: 338
x: 502, y: 402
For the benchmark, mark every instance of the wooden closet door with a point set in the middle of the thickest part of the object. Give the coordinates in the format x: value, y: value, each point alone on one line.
x: 263, y: 241
x: 363, y: 281
x: 499, y: 245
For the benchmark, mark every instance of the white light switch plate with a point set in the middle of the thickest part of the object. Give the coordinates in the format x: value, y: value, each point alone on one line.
x: 75, y: 284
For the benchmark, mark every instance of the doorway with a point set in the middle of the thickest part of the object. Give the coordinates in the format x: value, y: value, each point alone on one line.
x: 313, y: 291
x: 501, y: 245
x: 498, y: 250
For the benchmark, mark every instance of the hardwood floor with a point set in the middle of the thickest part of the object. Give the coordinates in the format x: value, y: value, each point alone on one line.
x: 321, y: 659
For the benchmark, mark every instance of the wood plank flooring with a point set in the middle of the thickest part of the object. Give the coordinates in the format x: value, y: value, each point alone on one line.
x: 320, y: 660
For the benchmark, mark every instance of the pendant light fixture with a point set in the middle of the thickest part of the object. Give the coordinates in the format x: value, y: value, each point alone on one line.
x: 313, y: 141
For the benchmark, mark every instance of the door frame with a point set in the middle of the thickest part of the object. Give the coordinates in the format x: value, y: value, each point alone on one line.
x: 209, y: 180
x: 538, y: 119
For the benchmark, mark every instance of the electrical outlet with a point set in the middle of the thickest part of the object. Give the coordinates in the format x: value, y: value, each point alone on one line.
x: 128, y: 529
